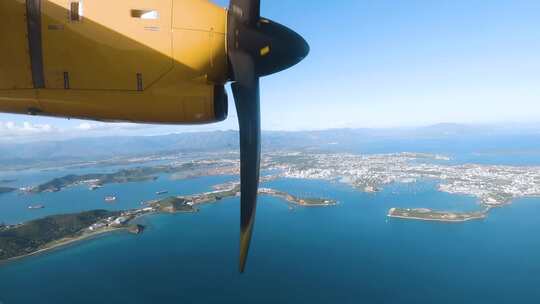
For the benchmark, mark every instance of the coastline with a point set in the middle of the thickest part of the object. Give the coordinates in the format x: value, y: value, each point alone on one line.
x: 59, y: 244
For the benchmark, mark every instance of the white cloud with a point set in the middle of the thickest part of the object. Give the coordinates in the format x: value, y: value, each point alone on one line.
x: 14, y: 129
x: 85, y: 126
x: 106, y: 127
x: 58, y: 129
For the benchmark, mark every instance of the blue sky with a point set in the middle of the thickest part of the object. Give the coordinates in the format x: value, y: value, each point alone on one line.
x: 384, y: 64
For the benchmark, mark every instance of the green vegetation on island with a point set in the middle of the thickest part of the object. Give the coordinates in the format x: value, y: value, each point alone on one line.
x: 310, y: 201
x: 123, y: 176
x: 6, y: 190
x: 27, y: 238
x: 140, y: 174
x: 173, y: 204
x: 431, y: 215
x: 306, y: 202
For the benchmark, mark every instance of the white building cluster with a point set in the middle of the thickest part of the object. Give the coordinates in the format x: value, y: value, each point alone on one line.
x: 492, y: 185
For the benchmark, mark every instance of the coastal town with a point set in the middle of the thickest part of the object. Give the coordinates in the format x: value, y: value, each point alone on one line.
x: 491, y: 185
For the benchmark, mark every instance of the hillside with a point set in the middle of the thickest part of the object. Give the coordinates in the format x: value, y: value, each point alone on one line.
x: 31, y: 236
x: 459, y: 138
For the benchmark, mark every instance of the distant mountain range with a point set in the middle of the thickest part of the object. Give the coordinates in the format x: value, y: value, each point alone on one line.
x: 436, y: 138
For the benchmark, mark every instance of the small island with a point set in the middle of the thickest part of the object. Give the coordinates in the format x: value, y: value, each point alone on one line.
x: 306, y: 202
x: 95, y: 181
x: 136, y: 229
x: 7, y: 181
x: 425, y: 214
x: 6, y: 190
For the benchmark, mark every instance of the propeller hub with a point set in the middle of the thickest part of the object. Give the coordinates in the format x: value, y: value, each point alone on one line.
x: 271, y: 47
x: 279, y: 49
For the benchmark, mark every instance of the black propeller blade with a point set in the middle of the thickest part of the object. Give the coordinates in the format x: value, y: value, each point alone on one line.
x: 256, y: 47
x: 249, y: 118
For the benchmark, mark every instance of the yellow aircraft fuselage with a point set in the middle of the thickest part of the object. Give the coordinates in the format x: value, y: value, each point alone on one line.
x: 155, y: 61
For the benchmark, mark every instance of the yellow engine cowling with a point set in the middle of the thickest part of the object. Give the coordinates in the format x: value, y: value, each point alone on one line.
x: 155, y: 61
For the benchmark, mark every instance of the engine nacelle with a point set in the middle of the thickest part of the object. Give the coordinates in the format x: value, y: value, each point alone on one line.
x: 153, y: 61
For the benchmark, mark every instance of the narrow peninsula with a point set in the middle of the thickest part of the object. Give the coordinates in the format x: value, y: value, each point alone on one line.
x: 37, y: 236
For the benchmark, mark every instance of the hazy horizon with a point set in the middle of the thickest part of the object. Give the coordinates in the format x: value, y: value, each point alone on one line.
x: 25, y: 131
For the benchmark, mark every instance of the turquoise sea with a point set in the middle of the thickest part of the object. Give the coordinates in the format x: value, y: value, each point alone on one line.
x: 350, y: 253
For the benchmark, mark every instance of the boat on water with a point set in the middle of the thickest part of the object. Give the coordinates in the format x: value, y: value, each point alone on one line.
x: 110, y: 199
x: 95, y: 187
x: 36, y: 207
x: 162, y: 192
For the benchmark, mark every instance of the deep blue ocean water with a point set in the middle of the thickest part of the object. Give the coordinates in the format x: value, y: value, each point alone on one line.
x: 350, y: 253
